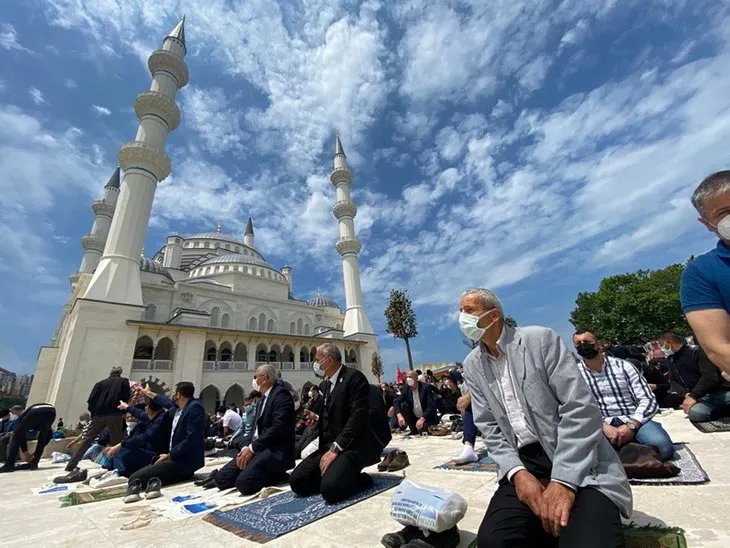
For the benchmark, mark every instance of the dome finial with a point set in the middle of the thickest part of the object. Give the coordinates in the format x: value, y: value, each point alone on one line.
x: 179, y: 32
x: 338, y: 144
x: 142, y: 253
x: 218, y: 229
x: 249, y: 227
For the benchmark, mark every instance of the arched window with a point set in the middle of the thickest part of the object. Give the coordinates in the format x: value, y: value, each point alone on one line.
x: 303, y: 355
x: 353, y: 357
x: 270, y: 326
x: 292, y: 328
x: 273, y: 356
x: 261, y: 354
x: 262, y: 322
x: 214, y: 315
x: 312, y: 354
x: 150, y: 312
x: 163, y: 350
x: 143, y: 348
x: 252, y: 324
x: 241, y: 353
x: 306, y: 329
x: 226, y: 321
x: 299, y: 326
x: 210, y: 351
x: 226, y: 355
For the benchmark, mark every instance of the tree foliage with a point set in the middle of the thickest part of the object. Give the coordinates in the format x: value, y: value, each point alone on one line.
x: 376, y: 366
x: 632, y: 307
x: 401, y: 319
x: 510, y: 321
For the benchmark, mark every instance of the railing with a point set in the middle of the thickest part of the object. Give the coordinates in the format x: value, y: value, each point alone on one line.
x: 287, y: 366
x: 150, y: 365
x: 162, y: 365
x: 141, y: 365
x: 259, y: 364
x: 305, y: 365
x: 353, y: 365
x: 208, y: 365
x: 239, y: 366
x: 225, y: 366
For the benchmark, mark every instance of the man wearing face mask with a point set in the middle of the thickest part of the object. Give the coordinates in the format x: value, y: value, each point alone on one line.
x: 705, y: 283
x: 626, y: 402
x: 416, y: 407
x: 558, y: 475
x: 347, y: 443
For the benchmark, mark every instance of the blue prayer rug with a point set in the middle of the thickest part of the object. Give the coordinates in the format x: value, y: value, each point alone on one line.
x: 275, y: 516
x: 484, y: 464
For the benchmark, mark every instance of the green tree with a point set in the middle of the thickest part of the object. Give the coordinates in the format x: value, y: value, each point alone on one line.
x: 632, y: 307
x: 510, y: 321
x: 401, y: 319
x: 376, y: 366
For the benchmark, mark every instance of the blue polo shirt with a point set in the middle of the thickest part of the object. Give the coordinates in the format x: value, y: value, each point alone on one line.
x: 705, y: 282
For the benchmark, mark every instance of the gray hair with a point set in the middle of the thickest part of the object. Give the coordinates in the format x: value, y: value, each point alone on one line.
x: 717, y: 183
x: 115, y: 372
x: 270, y: 371
x: 489, y: 298
x: 329, y: 349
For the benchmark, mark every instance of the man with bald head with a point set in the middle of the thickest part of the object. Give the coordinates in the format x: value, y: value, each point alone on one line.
x: 416, y: 406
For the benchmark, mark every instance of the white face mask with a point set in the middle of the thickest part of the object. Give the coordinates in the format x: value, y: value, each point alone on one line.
x: 468, y: 325
x: 410, y: 381
x: 255, y: 385
x: 297, y: 405
x: 723, y: 228
x: 311, y: 394
x: 318, y: 370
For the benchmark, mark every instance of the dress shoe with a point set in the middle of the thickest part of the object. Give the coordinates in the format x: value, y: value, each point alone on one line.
x: 5, y: 469
x: 73, y: 476
x: 386, y: 461
x: 398, y: 462
x: 28, y: 466
x: 445, y: 539
x: 402, y: 537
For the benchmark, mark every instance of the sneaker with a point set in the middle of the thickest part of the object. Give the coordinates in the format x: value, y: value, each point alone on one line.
x: 445, y: 539
x: 399, y: 461
x: 133, y: 492
x: 153, y: 490
x: 75, y: 475
x: 402, y: 537
x: 386, y: 461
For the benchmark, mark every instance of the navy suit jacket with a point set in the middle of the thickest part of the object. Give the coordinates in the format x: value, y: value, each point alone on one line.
x: 150, y: 436
x: 428, y: 401
x: 276, y: 426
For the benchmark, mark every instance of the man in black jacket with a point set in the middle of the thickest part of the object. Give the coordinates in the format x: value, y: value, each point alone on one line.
x: 346, y: 440
x: 37, y: 417
x: 708, y: 393
x: 271, y: 453
x: 104, y: 408
x: 416, y: 406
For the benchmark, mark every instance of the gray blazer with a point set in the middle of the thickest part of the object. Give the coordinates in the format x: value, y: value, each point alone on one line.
x: 560, y: 411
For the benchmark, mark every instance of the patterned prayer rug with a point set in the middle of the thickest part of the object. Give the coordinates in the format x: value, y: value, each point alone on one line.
x: 273, y: 517
x: 484, y: 464
x: 719, y: 425
x: 690, y: 471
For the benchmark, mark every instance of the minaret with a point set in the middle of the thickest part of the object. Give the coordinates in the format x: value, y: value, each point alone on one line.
x: 94, y: 242
x: 144, y: 162
x: 348, y: 246
x: 248, y: 235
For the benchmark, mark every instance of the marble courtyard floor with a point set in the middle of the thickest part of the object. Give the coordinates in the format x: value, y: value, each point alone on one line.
x: 37, y: 520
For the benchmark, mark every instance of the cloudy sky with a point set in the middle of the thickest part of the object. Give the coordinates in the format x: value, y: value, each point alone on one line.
x: 529, y: 146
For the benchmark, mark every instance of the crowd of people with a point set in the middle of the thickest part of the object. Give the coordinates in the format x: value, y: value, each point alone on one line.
x: 554, y: 417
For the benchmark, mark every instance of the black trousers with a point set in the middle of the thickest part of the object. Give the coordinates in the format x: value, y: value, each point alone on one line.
x: 168, y: 472
x: 594, y: 520
x: 41, y: 419
x: 341, y: 481
x: 263, y: 470
x: 411, y: 419
x: 113, y: 423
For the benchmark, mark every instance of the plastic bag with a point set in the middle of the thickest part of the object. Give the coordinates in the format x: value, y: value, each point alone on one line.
x: 57, y: 458
x: 427, y: 508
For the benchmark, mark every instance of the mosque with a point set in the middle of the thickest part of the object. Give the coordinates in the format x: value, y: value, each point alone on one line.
x: 206, y: 308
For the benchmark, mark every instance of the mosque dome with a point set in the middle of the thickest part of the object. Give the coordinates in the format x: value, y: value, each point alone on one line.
x: 215, y: 236
x: 320, y: 301
x: 237, y: 258
x: 153, y: 267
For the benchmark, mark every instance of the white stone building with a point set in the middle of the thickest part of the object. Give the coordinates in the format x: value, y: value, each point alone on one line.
x: 206, y: 308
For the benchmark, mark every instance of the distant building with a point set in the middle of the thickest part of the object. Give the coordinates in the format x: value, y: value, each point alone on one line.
x: 7, y: 381
x: 22, y: 387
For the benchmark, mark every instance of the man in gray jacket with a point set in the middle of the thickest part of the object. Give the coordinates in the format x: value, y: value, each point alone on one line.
x: 558, y: 475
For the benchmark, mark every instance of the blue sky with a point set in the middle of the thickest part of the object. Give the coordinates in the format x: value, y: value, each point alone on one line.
x: 528, y: 146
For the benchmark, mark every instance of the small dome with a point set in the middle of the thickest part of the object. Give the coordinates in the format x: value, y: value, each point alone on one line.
x: 215, y: 236
x: 237, y: 258
x: 153, y: 267
x: 320, y: 301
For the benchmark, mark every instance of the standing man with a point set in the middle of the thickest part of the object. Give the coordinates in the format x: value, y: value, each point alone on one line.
x: 705, y: 284
x: 105, y: 413
x: 37, y: 417
x: 271, y: 453
x: 626, y: 402
x: 346, y: 440
x: 416, y: 406
x: 558, y: 475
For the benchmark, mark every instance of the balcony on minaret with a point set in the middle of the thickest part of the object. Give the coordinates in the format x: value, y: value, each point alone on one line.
x: 102, y: 207
x: 348, y: 245
x: 344, y: 208
x: 93, y: 241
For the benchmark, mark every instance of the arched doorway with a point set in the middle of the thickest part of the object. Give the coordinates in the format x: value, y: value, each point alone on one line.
x: 304, y: 355
x: 262, y: 353
x: 163, y: 350
x: 225, y: 354
x: 274, y: 354
x: 287, y: 355
x: 312, y: 354
x: 234, y: 395
x: 241, y: 353
x: 211, y: 352
x: 211, y: 398
x: 352, y: 357
x: 143, y: 348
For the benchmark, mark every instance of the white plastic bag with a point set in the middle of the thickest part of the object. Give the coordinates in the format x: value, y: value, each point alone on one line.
x: 427, y: 508
x: 58, y: 458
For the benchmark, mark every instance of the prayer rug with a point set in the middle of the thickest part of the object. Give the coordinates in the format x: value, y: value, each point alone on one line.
x: 719, y: 425
x: 647, y: 537
x: 273, y: 517
x: 75, y: 498
x: 690, y: 471
x: 484, y: 464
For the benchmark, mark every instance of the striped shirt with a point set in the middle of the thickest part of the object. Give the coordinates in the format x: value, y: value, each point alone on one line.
x: 620, y: 391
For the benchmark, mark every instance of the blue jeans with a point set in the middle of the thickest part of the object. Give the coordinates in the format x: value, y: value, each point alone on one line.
x: 708, y: 406
x: 654, y: 435
x: 93, y: 452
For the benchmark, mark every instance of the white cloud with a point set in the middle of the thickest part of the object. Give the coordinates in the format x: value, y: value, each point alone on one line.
x: 36, y: 95
x: 210, y: 114
x: 70, y: 83
x: 9, y: 39
x: 100, y: 111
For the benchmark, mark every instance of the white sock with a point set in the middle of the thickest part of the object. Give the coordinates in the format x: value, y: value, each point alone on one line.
x: 467, y: 455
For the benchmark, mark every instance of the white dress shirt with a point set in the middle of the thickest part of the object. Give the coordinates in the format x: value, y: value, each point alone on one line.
x: 261, y: 414
x: 175, y: 420
x: 417, y: 407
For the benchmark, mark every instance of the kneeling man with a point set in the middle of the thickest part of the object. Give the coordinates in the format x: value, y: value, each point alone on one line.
x: 271, y: 453
x: 558, y: 474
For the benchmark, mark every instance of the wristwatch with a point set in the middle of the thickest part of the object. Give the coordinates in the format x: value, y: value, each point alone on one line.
x: 335, y: 449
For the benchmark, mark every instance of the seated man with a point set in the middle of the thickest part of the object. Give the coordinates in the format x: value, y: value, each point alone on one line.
x: 707, y: 393
x: 38, y: 417
x: 346, y: 440
x: 242, y: 437
x: 271, y: 453
x: 183, y: 433
x: 416, y: 406
x: 230, y: 420
x: 558, y: 475
x: 626, y: 402
x: 145, y: 442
